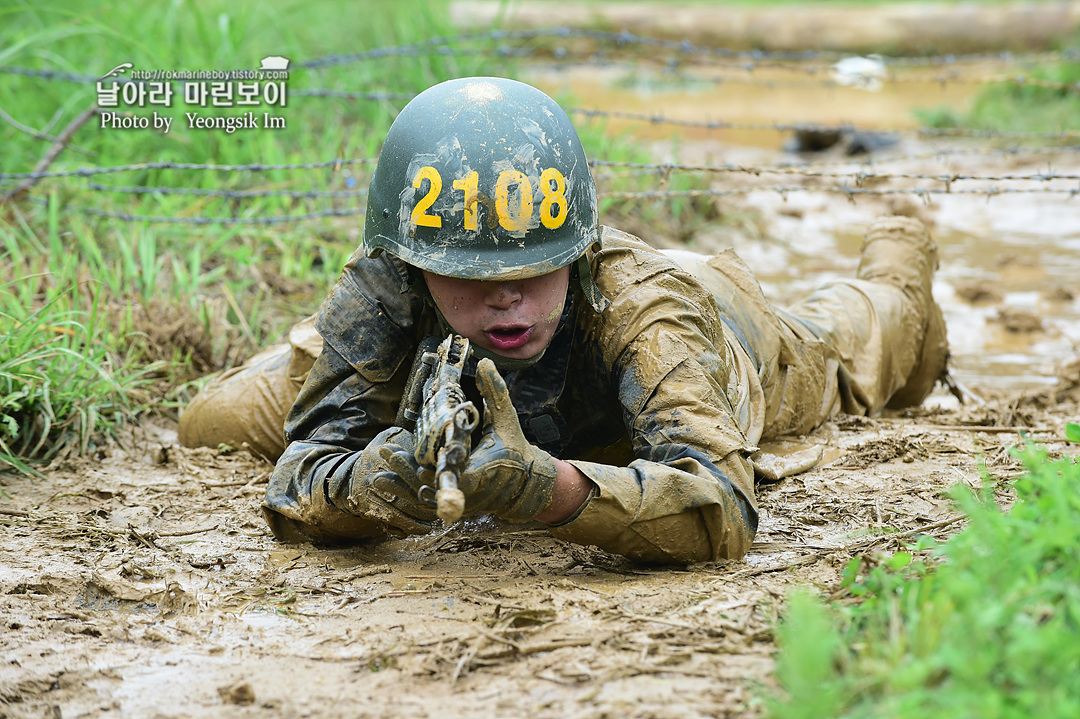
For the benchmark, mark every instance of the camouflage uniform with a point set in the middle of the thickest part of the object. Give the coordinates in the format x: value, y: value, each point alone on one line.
x: 660, y: 400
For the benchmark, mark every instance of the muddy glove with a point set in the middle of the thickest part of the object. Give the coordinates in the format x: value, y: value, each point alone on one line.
x: 505, y: 474
x: 382, y: 487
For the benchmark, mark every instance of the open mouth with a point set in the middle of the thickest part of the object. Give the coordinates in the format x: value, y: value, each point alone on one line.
x: 508, y: 338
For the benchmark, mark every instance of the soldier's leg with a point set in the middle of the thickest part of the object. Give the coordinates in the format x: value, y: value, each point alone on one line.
x: 885, y: 326
x: 246, y: 406
x: 857, y: 345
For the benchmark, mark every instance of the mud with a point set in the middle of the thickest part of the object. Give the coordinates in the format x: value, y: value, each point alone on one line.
x: 144, y: 582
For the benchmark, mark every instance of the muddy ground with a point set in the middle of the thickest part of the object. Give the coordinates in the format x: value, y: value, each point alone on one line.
x: 143, y: 581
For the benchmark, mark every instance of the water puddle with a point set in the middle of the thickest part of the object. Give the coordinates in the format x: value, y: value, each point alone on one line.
x: 763, y: 96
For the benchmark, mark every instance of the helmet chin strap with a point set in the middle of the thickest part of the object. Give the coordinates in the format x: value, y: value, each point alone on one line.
x: 592, y: 293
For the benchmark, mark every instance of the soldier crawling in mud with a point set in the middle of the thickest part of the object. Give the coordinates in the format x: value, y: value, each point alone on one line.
x: 624, y: 390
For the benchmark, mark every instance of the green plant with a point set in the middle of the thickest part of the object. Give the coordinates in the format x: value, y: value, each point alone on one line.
x: 1021, y: 104
x: 61, y: 383
x: 993, y: 630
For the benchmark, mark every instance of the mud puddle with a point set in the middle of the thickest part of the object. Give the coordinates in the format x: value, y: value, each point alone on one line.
x: 730, y: 93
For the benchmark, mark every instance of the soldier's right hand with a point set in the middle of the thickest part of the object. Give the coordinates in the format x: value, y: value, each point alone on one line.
x: 382, y: 485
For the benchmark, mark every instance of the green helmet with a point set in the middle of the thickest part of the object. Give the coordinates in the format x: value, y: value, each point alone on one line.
x: 482, y: 178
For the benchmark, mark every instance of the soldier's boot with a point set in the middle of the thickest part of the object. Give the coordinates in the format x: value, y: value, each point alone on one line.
x: 898, y: 250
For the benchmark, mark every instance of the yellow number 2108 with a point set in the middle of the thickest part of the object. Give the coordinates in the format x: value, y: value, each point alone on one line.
x: 514, y: 216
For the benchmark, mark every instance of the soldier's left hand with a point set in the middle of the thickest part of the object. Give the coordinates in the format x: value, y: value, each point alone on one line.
x: 505, y: 474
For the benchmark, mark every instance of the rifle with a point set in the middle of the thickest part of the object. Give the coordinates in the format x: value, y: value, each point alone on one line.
x: 444, y: 420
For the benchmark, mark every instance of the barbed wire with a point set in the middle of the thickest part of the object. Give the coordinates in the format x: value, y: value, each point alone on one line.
x: 227, y: 194
x: 823, y: 71
x: 252, y: 167
x: 47, y: 74
x: 349, y: 95
x: 860, y: 174
x: 452, y: 45
x: 992, y: 134
x: 873, y: 159
x: 448, y: 46
x: 831, y: 83
x: 265, y: 220
x: 1018, y: 81
x: 783, y: 190
x: 809, y: 169
x: 824, y: 75
x: 810, y: 127
x: 440, y: 45
x: 747, y: 61
x: 842, y: 189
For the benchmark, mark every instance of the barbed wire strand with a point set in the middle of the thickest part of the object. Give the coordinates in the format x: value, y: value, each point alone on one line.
x: 859, y: 177
x: 751, y: 61
x: 340, y: 162
x: 824, y: 72
x: 664, y: 168
x: 804, y: 127
x: 264, y: 220
x: 826, y: 75
x: 252, y: 167
x: 842, y: 189
x: 852, y: 192
x: 227, y: 194
x: 810, y: 169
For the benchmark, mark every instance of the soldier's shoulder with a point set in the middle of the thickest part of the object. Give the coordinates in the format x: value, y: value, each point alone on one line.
x: 370, y: 316
x: 383, y: 274
x: 646, y: 289
x: 625, y: 261
x: 382, y: 284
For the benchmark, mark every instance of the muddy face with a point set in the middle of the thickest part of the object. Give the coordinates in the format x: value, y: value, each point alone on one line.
x: 515, y: 319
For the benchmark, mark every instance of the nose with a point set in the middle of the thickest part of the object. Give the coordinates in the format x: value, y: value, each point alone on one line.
x: 503, y: 295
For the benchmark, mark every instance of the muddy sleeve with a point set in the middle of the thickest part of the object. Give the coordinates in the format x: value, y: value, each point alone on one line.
x: 688, y: 496
x: 336, y: 414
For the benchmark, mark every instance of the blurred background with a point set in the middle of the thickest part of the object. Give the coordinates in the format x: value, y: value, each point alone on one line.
x: 136, y: 261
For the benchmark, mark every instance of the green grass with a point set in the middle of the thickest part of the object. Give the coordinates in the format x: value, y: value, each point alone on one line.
x: 986, y: 626
x: 1020, y: 107
x: 62, y: 381
x: 216, y: 34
